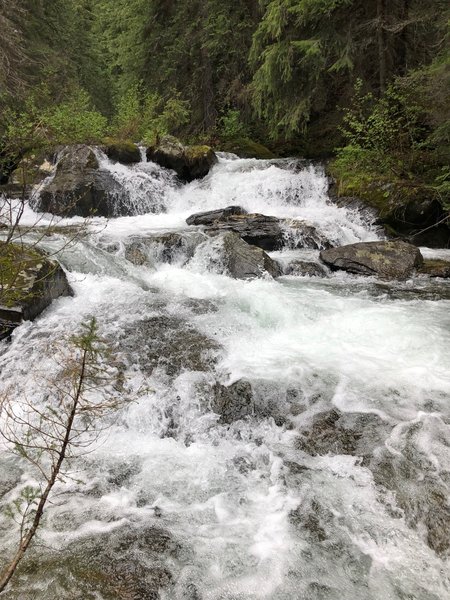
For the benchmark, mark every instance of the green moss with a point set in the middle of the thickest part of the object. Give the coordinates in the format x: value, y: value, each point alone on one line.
x: 122, y: 145
x: 16, y: 266
x: 197, y: 152
x: 247, y: 148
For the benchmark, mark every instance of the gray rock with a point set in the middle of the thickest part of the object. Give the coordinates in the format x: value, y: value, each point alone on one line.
x: 233, y: 402
x: 436, y: 268
x: 212, y: 216
x: 34, y: 282
x: 189, y: 162
x: 169, y: 343
x: 80, y: 188
x: 303, y: 267
x: 241, y: 260
x: 419, y: 491
x: 301, y: 234
x: 255, y: 229
x: 333, y: 432
x: 164, y: 247
x: 388, y: 260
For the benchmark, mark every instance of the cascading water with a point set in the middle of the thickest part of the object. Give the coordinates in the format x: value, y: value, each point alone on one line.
x: 334, y: 485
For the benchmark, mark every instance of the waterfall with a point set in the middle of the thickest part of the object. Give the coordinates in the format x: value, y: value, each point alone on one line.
x: 322, y: 484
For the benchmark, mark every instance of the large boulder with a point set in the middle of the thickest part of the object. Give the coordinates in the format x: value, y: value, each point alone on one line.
x: 123, y: 152
x: 255, y: 229
x: 189, y: 162
x: 29, y: 282
x: 388, y: 260
x: 229, y: 254
x: 81, y: 188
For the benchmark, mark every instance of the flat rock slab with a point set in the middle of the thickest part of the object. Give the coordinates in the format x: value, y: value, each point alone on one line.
x: 255, y: 229
x: 388, y: 260
x: 210, y: 217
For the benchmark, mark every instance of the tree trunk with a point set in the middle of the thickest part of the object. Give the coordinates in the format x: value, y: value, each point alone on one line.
x: 381, y: 39
x: 403, y: 51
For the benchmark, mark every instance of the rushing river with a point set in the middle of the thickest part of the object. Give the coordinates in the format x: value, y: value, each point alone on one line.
x: 335, y: 487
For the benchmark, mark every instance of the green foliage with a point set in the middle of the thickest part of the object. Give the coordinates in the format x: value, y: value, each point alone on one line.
x: 231, y: 126
x: 74, y: 121
x: 146, y: 116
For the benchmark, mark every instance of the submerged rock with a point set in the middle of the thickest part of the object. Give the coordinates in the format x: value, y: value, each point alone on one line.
x: 80, y: 188
x: 231, y: 255
x: 164, y: 247
x: 233, y: 402
x: 301, y: 234
x: 303, y: 267
x: 389, y: 260
x: 29, y: 282
x: 212, y: 216
x: 189, y: 162
x: 334, y: 432
x: 169, y: 343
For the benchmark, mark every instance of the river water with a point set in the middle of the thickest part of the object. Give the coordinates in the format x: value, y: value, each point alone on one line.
x: 334, y: 487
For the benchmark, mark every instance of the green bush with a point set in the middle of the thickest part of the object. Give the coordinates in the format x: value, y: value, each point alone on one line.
x: 231, y: 126
x: 74, y: 121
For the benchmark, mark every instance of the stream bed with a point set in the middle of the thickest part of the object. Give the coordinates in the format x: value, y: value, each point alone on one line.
x: 327, y: 477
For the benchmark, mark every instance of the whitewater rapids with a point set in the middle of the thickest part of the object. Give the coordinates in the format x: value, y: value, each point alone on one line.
x: 259, y: 510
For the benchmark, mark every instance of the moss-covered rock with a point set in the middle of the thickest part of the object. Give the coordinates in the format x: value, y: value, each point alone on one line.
x: 81, y: 188
x: 29, y: 281
x: 410, y: 210
x: 189, y: 162
x: 122, y: 151
x: 247, y: 148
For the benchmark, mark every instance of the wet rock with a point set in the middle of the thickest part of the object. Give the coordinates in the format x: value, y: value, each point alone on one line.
x: 314, y: 519
x: 80, y: 188
x: 304, y: 268
x: 114, y: 565
x: 436, y: 268
x: 212, y: 216
x: 388, y: 260
x: 233, y: 402
x: 189, y: 162
x: 169, y: 343
x: 419, y: 493
x: 333, y: 432
x: 255, y: 229
x: 233, y: 256
x: 123, y: 152
x: 301, y: 234
x: 420, y: 220
x: 164, y: 247
x: 369, y: 213
x: 29, y: 282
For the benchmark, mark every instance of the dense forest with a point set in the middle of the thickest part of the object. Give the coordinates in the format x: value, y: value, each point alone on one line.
x: 367, y: 82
